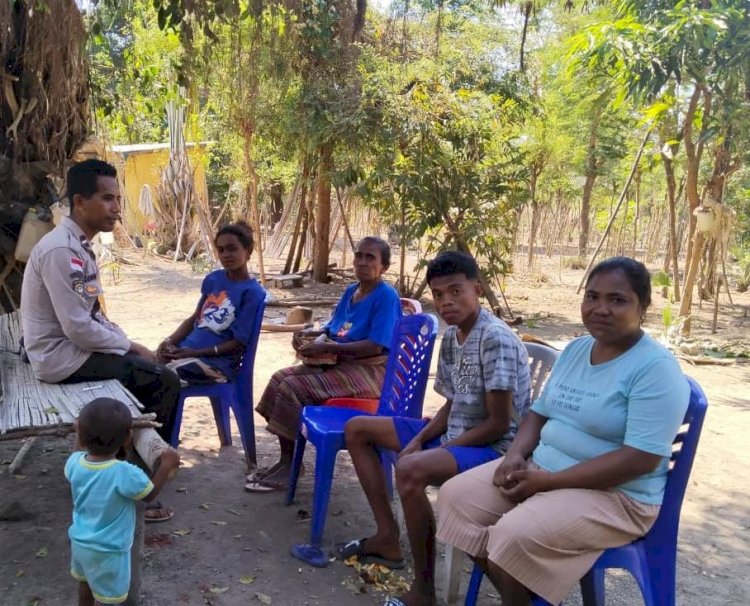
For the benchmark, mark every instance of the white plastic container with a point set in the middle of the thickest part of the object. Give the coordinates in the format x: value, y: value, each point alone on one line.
x: 705, y: 217
x: 58, y: 212
x: 107, y: 238
x: 33, y: 229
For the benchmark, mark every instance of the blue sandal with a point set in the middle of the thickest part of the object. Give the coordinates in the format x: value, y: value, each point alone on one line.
x: 310, y: 554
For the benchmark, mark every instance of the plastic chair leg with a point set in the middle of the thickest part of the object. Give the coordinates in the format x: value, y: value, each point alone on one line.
x: 592, y: 587
x: 475, y: 582
x: 299, y: 451
x: 221, y: 416
x: 174, y: 439
x: 325, y: 461
x: 387, y: 462
x: 246, y: 425
x: 472, y: 593
x: 453, y: 563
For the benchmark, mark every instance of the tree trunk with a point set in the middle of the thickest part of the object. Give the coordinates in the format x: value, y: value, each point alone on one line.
x: 583, y: 234
x: 671, y: 202
x: 516, y: 224
x: 535, y: 215
x: 588, y: 187
x: 637, y: 212
x: 323, y: 217
x: 402, y: 256
x: 252, y: 191
x: 723, y: 167
x: 536, y: 170
x: 298, y: 222
x: 694, y: 151
x: 276, y: 209
x: 302, y: 239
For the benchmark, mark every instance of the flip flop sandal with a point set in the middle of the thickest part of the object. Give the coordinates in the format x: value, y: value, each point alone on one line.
x: 265, y: 486
x: 262, y: 474
x: 310, y: 554
x: 154, y: 518
x: 356, y: 548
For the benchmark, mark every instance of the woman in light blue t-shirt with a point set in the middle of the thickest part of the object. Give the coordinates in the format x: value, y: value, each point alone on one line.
x: 588, y: 467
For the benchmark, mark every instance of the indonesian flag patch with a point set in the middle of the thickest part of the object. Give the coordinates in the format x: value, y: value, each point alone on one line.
x: 76, y: 264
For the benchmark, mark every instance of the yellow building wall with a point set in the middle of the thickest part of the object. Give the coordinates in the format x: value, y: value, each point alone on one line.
x: 145, y: 168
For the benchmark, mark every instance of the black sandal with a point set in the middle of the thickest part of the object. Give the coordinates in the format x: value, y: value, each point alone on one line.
x: 356, y: 548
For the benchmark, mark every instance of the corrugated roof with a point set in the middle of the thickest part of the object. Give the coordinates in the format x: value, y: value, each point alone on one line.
x: 140, y: 148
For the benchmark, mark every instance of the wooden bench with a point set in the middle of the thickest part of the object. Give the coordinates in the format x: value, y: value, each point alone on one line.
x: 30, y: 409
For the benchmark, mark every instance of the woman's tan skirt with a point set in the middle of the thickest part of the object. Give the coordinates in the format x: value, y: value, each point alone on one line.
x: 289, y: 389
x: 549, y: 541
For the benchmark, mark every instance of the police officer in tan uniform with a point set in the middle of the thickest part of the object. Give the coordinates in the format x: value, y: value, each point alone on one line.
x: 67, y: 337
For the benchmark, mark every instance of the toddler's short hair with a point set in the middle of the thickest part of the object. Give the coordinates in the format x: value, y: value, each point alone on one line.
x: 103, y: 426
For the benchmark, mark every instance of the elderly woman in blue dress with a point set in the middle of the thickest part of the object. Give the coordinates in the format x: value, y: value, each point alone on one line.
x: 355, y: 342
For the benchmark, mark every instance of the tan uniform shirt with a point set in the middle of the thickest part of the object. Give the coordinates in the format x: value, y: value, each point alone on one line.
x: 62, y: 322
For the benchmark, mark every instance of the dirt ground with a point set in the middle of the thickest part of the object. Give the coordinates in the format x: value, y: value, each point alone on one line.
x: 225, y: 546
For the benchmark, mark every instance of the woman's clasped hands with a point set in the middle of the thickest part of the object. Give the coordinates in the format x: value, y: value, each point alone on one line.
x: 516, y: 481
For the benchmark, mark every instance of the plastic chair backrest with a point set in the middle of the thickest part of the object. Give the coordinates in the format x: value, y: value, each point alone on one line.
x: 664, y: 531
x: 244, y: 379
x: 408, y: 366
x: 541, y: 361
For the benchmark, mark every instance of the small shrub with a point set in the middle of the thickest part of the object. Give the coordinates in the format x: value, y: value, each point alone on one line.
x: 667, y: 318
x: 574, y: 262
x: 743, y: 272
x: 661, y: 279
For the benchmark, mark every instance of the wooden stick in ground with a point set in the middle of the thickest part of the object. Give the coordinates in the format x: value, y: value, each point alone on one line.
x: 183, y: 219
x: 15, y: 466
x: 343, y: 216
x: 59, y: 431
x: 256, y: 221
x: 624, y: 191
x: 717, y: 292
x: 296, y: 234
x: 223, y: 210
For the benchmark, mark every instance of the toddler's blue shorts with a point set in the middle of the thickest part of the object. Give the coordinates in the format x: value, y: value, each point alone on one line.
x: 106, y: 573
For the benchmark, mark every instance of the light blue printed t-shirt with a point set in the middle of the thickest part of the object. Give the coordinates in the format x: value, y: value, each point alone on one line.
x: 638, y: 399
x: 491, y: 358
x: 104, y: 496
x: 372, y: 318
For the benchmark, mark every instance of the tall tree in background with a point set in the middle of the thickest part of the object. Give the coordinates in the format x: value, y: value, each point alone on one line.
x: 43, y: 114
x: 704, y: 48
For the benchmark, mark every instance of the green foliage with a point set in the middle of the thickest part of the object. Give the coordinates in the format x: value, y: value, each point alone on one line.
x: 133, y: 67
x: 742, y: 270
x: 444, y: 149
x: 428, y: 116
x: 661, y: 279
x: 667, y: 318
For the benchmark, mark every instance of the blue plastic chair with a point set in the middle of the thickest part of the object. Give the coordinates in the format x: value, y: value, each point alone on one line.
x: 236, y: 395
x: 652, y: 559
x: 403, y: 392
